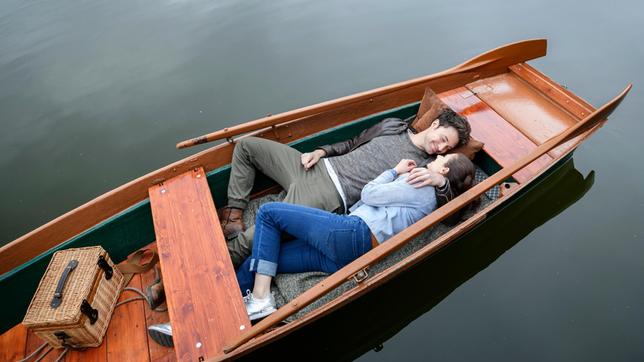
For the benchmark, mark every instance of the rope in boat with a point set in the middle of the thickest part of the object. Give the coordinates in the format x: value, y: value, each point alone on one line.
x: 142, y: 297
x: 36, y: 352
x: 60, y: 357
x: 44, y: 354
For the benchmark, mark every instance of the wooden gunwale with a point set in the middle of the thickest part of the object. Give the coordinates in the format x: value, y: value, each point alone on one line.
x: 132, y: 229
x: 335, y: 113
x: 495, y: 59
x: 304, y: 299
x: 379, y: 279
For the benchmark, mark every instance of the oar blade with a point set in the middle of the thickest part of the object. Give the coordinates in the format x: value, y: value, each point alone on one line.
x: 505, y: 56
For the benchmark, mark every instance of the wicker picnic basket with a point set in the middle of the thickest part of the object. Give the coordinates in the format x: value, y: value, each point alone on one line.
x: 73, y: 304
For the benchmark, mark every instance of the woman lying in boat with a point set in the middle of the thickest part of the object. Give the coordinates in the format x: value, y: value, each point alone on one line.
x: 325, y: 241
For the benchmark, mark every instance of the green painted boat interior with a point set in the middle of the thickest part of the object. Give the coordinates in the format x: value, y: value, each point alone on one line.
x: 133, y: 228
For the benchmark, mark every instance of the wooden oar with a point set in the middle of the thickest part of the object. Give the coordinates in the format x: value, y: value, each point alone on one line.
x: 499, y: 59
x: 339, y: 277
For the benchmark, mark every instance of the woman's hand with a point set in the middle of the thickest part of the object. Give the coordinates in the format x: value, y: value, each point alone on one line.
x: 404, y: 165
x: 311, y: 158
x: 421, y: 176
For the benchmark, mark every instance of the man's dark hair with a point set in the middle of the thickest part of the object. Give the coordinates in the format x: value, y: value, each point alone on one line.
x: 449, y: 118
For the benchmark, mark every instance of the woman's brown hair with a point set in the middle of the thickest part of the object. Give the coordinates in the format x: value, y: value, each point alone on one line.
x: 461, y: 173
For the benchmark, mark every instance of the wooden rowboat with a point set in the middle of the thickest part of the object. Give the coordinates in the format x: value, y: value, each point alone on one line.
x: 530, y: 126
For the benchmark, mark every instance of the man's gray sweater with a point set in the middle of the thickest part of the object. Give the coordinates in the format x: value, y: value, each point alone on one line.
x: 356, y: 168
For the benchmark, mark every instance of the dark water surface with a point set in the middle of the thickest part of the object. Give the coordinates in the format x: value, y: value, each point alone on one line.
x: 95, y: 93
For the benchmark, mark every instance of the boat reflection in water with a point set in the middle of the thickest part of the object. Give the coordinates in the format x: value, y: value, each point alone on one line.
x: 368, y: 322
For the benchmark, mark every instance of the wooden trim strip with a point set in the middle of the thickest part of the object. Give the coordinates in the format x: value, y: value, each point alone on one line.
x: 375, y: 281
x: 117, y: 200
x: 499, y: 58
x: 437, y: 216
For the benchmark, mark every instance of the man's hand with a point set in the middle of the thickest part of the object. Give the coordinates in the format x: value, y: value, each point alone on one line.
x: 311, y: 158
x: 421, y: 176
x: 405, y: 165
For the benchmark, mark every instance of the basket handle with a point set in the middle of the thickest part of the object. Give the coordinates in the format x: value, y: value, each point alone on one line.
x: 58, y: 294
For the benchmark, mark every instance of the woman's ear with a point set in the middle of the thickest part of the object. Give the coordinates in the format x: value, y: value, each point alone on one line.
x: 444, y: 170
x: 434, y: 124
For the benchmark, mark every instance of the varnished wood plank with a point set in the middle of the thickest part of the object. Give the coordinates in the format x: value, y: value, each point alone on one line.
x: 524, y: 107
x: 504, y: 143
x: 93, y: 212
x: 204, y: 301
x: 126, y: 335
x: 561, y: 96
x: 96, y: 354
x: 13, y: 343
x: 567, y: 100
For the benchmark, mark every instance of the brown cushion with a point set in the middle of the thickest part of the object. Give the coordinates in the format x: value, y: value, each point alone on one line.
x: 430, y: 108
x: 469, y: 149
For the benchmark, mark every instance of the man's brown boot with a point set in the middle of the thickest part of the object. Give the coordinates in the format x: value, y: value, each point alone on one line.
x: 232, y: 221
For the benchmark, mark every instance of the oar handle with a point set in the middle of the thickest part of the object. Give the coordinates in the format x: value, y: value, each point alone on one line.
x: 497, y: 59
x: 306, y: 298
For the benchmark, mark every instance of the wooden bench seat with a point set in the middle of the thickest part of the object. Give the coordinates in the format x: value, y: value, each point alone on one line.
x: 205, y: 305
x: 503, y: 142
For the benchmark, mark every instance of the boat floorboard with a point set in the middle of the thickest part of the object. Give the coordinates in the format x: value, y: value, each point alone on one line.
x: 125, y: 340
x: 525, y: 107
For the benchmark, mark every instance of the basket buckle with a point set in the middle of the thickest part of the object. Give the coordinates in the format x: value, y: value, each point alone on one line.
x: 102, y: 263
x: 90, y: 312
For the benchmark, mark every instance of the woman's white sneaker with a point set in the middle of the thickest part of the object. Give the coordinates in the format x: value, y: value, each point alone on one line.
x: 258, y: 308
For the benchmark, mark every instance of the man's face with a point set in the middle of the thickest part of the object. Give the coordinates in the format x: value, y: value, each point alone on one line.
x: 439, y: 140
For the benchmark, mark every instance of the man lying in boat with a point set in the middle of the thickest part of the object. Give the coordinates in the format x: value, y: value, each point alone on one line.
x: 325, y: 241
x: 335, y: 183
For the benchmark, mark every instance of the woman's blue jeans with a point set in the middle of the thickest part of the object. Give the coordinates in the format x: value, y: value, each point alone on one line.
x: 324, y: 241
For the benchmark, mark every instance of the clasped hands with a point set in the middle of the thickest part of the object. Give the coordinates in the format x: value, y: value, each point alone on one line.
x: 419, y: 176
